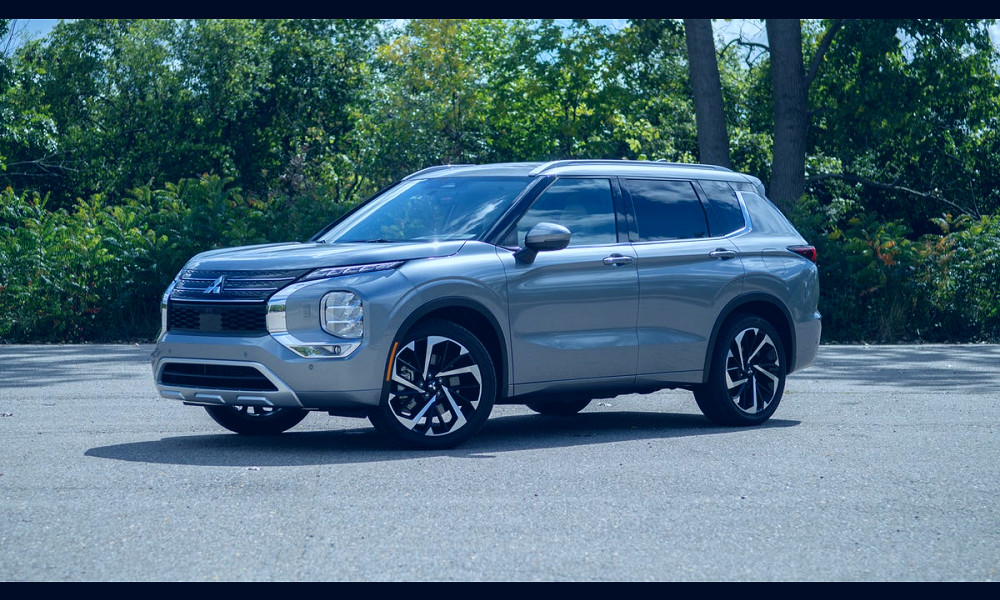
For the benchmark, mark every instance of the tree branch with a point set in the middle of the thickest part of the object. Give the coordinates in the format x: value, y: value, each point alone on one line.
x: 890, y: 187
x: 824, y: 45
x: 55, y: 164
x: 741, y: 42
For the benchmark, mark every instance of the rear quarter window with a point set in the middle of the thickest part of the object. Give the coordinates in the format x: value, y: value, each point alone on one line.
x: 765, y: 216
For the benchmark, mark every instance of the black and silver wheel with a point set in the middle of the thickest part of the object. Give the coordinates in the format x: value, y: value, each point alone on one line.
x: 746, y: 375
x: 256, y: 420
x: 559, y: 407
x: 440, y: 390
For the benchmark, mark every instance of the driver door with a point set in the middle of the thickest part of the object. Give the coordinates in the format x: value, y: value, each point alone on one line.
x: 573, y: 311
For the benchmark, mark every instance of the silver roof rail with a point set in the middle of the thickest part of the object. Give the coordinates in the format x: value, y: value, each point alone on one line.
x: 694, y: 165
x: 431, y: 170
x: 572, y: 162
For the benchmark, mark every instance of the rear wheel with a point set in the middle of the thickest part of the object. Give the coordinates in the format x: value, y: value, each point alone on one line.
x: 746, y: 375
x: 441, y: 387
x: 256, y: 420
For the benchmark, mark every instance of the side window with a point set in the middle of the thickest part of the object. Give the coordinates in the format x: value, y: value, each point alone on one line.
x: 724, y: 213
x: 584, y: 206
x: 666, y: 210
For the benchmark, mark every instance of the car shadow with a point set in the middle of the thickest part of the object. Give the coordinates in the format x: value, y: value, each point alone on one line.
x: 365, y: 445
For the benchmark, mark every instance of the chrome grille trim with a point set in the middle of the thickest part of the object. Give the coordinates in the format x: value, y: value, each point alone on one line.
x: 237, y: 286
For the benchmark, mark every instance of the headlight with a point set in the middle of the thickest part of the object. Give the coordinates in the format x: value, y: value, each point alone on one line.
x: 164, y: 300
x: 343, y: 314
x: 328, y: 272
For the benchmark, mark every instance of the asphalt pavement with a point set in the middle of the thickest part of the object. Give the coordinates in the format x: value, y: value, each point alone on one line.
x: 880, y: 464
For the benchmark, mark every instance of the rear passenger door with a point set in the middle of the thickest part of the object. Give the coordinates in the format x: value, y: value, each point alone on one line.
x: 687, y: 272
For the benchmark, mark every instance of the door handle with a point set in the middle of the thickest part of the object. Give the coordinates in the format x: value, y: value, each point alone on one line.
x: 617, y: 260
x: 722, y: 254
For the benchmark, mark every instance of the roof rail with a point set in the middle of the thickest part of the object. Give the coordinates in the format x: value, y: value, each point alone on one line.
x: 694, y: 165
x: 431, y: 170
x: 565, y: 163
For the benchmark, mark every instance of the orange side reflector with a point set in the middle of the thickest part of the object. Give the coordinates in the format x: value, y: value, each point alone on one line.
x: 392, y: 357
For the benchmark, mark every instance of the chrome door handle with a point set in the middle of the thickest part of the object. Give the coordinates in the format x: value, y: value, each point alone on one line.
x: 617, y: 260
x: 722, y: 254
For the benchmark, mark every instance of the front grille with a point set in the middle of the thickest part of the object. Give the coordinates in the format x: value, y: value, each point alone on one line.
x: 217, y: 318
x: 216, y: 377
x: 231, y: 286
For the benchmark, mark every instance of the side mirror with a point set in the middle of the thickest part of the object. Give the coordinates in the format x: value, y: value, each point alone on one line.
x: 543, y: 237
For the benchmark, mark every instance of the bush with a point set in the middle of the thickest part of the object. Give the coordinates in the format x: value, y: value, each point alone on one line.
x: 879, y: 283
x: 97, y: 273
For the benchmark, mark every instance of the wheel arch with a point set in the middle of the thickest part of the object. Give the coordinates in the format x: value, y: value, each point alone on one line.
x: 472, y: 316
x: 762, y: 305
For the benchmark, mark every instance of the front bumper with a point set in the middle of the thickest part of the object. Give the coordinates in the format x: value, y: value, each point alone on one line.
x: 197, y: 369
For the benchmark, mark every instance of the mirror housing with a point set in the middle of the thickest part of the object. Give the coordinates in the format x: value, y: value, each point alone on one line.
x: 543, y: 237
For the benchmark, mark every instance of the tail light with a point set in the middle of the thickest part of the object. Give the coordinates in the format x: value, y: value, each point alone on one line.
x: 806, y: 251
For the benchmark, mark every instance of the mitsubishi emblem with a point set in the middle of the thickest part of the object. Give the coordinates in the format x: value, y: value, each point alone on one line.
x: 216, y: 287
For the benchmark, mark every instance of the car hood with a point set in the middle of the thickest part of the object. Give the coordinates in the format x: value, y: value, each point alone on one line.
x: 314, y: 255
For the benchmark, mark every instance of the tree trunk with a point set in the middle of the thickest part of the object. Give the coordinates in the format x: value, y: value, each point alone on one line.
x: 713, y: 140
x: 784, y: 37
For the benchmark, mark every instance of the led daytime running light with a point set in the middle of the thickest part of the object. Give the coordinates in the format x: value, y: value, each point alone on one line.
x: 329, y: 272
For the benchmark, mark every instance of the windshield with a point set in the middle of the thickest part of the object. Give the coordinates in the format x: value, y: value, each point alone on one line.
x: 441, y: 208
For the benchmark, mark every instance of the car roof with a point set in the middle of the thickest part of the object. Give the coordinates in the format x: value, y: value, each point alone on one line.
x: 620, y: 168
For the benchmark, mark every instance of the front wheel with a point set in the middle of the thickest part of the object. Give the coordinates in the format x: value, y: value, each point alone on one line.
x: 746, y: 375
x: 440, y: 390
x: 256, y: 420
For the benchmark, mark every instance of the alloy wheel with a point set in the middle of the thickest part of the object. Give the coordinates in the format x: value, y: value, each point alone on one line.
x: 753, y: 370
x: 436, y: 386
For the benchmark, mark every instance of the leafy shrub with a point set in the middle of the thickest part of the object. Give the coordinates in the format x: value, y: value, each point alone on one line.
x: 96, y: 273
x: 880, y: 283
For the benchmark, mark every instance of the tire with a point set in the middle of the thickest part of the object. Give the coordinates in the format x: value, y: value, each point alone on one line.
x: 256, y: 420
x: 441, y: 390
x: 746, y: 376
x: 559, y: 408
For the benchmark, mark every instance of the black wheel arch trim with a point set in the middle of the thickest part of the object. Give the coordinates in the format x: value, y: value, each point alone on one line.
x: 460, y: 302
x: 732, y: 307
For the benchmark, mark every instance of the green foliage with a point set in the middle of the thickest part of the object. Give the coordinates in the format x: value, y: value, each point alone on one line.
x: 185, y: 135
x: 881, y: 285
x: 96, y: 272
x: 73, y: 275
x: 118, y: 103
x: 964, y: 277
x: 913, y: 102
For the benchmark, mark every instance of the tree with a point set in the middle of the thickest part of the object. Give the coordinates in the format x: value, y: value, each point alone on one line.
x: 905, y: 114
x: 434, y: 96
x: 784, y: 38
x: 713, y: 139
x: 271, y: 104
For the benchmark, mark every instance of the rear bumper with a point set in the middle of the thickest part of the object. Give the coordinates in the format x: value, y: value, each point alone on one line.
x: 807, y: 335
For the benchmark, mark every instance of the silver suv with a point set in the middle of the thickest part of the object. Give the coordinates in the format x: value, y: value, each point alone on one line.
x: 463, y: 286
